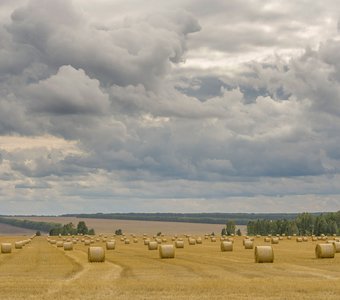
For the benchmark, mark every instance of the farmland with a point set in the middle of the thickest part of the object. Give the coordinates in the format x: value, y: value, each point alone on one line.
x: 42, y: 271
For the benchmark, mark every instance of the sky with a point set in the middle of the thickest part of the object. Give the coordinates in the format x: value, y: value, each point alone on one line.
x: 169, y: 106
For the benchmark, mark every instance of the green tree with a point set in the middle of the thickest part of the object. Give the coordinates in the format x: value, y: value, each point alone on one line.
x: 119, y: 232
x: 230, y: 227
x: 82, y: 228
x: 238, y: 232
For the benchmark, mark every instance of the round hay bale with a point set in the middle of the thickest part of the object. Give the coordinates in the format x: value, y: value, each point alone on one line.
x: 6, y: 248
x: 258, y: 236
x: 111, y: 245
x: 199, y: 240
x: 179, y: 244
x: 53, y: 242
x: 226, y: 246
x: 60, y: 244
x: 164, y: 240
x: 314, y: 238
x: 213, y: 239
x: 127, y: 241
x: 299, y: 239
x: 336, y: 247
x: 275, y: 240
x: 18, y: 245
x: 166, y: 251
x: 324, y: 251
x: 248, y: 244
x: 68, y: 246
x: 96, y: 254
x: 191, y: 241
x: 87, y: 242
x: 264, y: 254
x: 289, y: 237
x: 280, y: 238
x: 305, y: 239
x: 135, y: 240
x: 267, y: 239
x: 153, y: 245
x: 159, y: 241
x: 146, y: 242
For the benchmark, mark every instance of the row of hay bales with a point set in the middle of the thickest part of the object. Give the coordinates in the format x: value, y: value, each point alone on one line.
x: 7, y: 247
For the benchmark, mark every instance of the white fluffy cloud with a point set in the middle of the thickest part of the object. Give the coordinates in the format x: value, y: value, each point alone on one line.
x: 232, y: 106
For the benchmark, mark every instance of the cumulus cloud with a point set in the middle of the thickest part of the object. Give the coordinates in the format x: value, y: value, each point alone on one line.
x: 216, y: 108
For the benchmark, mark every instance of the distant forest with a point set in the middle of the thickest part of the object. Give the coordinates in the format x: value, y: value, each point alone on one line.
x: 208, y: 218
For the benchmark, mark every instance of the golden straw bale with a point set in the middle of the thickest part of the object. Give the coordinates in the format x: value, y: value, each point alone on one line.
x: 289, y: 237
x: 110, y: 245
x: 158, y: 241
x: 213, y: 239
x: 127, y: 241
x: 53, y: 242
x: 96, y: 254
x: 18, y: 245
x: 153, y: 245
x: 324, y: 251
x: 6, y: 248
x: 135, y: 240
x: 336, y: 247
x: 166, y: 251
x: 68, y: 246
x: 199, y: 240
x: 267, y: 239
x: 60, y: 244
x: 305, y: 239
x: 87, y: 242
x: 191, y: 241
x: 146, y: 242
x: 179, y: 244
x: 264, y: 254
x: 226, y: 246
x: 275, y: 240
x: 164, y: 240
x: 248, y: 244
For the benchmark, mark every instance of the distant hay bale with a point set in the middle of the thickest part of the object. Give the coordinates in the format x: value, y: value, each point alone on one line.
x: 6, y: 248
x: 110, y: 245
x: 60, y: 244
x: 248, y: 244
x: 158, y: 241
x: 153, y: 245
x: 166, y: 251
x: 96, y: 254
x: 68, y: 246
x: 127, y: 241
x: 324, y: 251
x: 264, y: 254
x: 53, y: 242
x: 314, y: 238
x: 164, y: 240
x: 275, y: 240
x: 146, y: 242
x: 258, y: 236
x: 289, y: 237
x: 267, y: 239
x: 18, y: 245
x: 122, y: 239
x: 179, y: 244
x: 305, y: 239
x: 191, y: 241
x: 173, y: 239
x: 299, y: 239
x: 226, y: 246
x: 336, y: 247
x: 213, y: 239
x: 280, y: 238
x: 135, y: 240
x: 199, y: 240
x: 87, y: 242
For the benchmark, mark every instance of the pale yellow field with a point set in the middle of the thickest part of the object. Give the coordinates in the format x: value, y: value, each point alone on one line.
x: 42, y: 271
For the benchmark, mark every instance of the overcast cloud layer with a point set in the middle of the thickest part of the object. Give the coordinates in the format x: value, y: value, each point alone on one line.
x: 181, y: 106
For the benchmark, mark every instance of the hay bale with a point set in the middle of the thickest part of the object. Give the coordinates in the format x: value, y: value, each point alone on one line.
x: 158, y: 241
x: 226, y: 246
x: 146, y: 242
x: 264, y: 254
x: 53, y: 242
x: 289, y: 237
x: 68, y: 246
x: 305, y: 239
x: 314, y: 238
x: 191, y: 241
x: 60, y: 244
x: 299, y: 239
x: 6, y: 248
x: 135, y: 240
x: 179, y: 244
x: 324, y: 251
x: 96, y: 254
x: 166, y: 251
x: 267, y: 239
x: 18, y: 245
x: 213, y: 239
x: 110, y: 245
x: 336, y: 247
x: 275, y: 240
x: 248, y: 244
x: 153, y: 245
x: 164, y: 240
x: 87, y: 242
x: 127, y: 241
x: 199, y: 240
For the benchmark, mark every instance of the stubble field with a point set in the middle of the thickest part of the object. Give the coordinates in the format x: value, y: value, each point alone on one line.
x: 131, y: 271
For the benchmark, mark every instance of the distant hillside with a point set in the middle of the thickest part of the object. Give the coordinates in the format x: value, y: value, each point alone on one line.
x: 208, y: 218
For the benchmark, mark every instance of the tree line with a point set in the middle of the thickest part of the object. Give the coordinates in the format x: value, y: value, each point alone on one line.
x: 303, y: 224
x: 71, y: 229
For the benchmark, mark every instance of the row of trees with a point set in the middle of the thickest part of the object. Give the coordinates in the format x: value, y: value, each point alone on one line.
x: 230, y: 228
x: 303, y: 224
x: 71, y: 229
x: 40, y: 226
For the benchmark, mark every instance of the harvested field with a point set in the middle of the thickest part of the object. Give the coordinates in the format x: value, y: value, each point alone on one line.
x: 6, y: 229
x: 42, y: 271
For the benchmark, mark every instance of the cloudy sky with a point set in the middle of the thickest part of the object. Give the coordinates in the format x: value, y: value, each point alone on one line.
x: 169, y: 106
